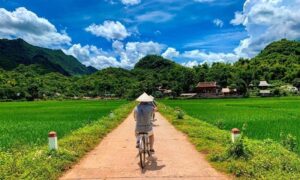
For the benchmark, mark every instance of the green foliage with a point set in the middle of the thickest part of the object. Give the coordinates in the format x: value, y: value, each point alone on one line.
x: 296, y: 82
x: 154, y: 62
x: 33, y: 91
x: 278, y: 61
x: 220, y: 124
x: 40, y: 163
x: 180, y: 113
x: 264, y: 159
x: 289, y: 142
x: 238, y: 149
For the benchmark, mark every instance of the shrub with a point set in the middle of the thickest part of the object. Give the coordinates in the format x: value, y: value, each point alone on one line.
x: 289, y: 142
x: 220, y: 124
x: 276, y: 92
x: 238, y: 149
x: 180, y: 113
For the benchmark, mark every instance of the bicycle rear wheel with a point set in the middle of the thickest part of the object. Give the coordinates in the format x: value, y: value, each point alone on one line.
x: 148, y: 147
x: 142, y: 152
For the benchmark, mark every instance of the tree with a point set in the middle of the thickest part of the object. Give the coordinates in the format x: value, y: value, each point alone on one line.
x: 33, y: 91
x: 296, y: 83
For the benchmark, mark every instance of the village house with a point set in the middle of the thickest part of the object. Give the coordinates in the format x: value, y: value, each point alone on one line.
x: 225, y: 91
x: 228, y: 92
x: 165, y: 92
x: 207, y: 88
x: 264, y: 88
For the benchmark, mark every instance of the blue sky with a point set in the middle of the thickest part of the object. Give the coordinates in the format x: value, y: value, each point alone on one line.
x: 119, y: 32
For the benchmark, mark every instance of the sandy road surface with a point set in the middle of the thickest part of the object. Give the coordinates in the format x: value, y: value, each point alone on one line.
x: 116, y: 157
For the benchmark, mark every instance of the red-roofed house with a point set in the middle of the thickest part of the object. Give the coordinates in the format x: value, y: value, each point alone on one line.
x: 207, y: 88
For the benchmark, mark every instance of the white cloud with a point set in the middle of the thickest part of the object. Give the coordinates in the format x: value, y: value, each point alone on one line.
x: 118, y: 46
x: 127, y: 55
x: 102, y: 61
x: 83, y: 53
x: 190, y: 63
x: 195, y: 57
x: 218, y: 22
x: 25, y: 24
x: 239, y: 18
x: 124, y: 56
x: 209, y: 57
x: 133, y: 51
x: 155, y: 16
x: 170, y: 53
x: 131, y: 2
x: 110, y: 30
x: 90, y: 55
x: 266, y: 21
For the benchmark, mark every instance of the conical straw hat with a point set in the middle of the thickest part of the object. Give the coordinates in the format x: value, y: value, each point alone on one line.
x: 144, y: 98
x: 152, y: 97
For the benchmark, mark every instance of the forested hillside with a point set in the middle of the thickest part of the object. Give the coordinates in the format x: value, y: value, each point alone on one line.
x: 278, y: 63
x: 16, y: 52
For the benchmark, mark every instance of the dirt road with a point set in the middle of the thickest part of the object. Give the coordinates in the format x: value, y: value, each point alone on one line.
x: 116, y: 157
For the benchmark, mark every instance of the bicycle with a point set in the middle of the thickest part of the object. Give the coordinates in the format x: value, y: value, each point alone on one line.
x: 144, y: 148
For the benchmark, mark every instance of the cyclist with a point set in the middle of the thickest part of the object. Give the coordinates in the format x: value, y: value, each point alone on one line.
x: 143, y: 115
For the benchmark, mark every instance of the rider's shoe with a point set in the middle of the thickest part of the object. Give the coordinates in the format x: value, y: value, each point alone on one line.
x: 152, y: 151
x: 137, y: 145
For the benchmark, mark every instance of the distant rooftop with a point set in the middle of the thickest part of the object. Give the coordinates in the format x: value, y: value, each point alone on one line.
x: 264, y: 84
x: 225, y: 90
x: 207, y: 84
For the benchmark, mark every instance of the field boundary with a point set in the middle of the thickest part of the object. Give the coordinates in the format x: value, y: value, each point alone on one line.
x: 267, y: 159
x: 40, y: 163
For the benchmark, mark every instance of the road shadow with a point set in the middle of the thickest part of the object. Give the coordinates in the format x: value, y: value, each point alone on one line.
x: 151, y: 165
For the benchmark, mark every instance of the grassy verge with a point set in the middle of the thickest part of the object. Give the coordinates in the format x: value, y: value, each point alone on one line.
x: 277, y: 115
x: 40, y: 163
x: 265, y: 160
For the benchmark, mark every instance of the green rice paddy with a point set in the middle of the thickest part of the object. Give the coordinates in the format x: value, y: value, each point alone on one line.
x: 265, y: 117
x: 28, y: 123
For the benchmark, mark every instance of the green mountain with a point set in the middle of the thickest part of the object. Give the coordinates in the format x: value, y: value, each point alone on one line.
x: 280, y: 61
x: 283, y: 52
x: 283, y: 47
x: 16, y: 52
x: 154, y: 62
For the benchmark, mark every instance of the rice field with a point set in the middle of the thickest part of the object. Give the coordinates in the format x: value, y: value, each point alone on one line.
x: 265, y: 117
x: 28, y: 123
